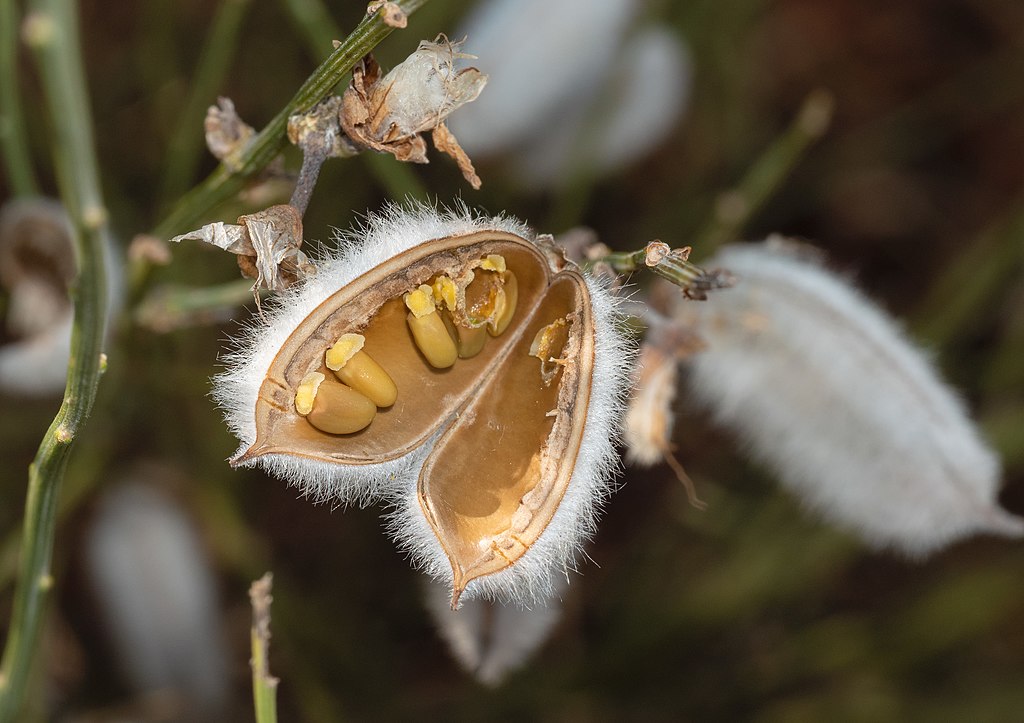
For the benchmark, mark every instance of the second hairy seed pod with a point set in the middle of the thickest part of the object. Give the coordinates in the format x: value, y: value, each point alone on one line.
x: 492, y: 451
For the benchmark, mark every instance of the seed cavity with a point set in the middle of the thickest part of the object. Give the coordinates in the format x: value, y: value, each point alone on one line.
x: 547, y: 346
x: 428, y: 329
x: 359, y: 370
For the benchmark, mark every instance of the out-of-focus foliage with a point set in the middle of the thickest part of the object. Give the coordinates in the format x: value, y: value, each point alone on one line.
x: 747, y: 610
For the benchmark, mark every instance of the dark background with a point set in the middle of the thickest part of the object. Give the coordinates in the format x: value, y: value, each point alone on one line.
x: 750, y: 610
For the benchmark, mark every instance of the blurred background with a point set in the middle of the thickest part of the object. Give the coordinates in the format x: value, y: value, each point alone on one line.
x: 678, y: 121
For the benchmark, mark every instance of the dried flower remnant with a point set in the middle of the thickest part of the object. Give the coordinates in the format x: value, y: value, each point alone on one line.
x: 825, y: 389
x: 493, y: 464
x: 390, y: 113
x: 227, y: 134
x: 491, y: 640
x: 266, y: 244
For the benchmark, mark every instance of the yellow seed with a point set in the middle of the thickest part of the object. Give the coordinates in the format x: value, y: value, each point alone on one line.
x: 347, y: 346
x: 421, y: 301
x: 505, y: 304
x: 469, y: 341
x: 338, y: 409
x: 365, y: 375
x: 306, y: 392
x: 433, y: 339
x: 355, y: 367
x: 445, y: 291
x: 494, y: 262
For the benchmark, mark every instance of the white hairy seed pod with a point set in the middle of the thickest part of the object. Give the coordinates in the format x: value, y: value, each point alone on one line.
x: 647, y: 427
x: 824, y: 387
x: 494, y: 465
x: 491, y: 640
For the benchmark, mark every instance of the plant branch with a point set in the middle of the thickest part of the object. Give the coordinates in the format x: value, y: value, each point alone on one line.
x: 13, y: 135
x: 183, y: 152
x: 264, y: 685
x: 315, y: 22
x: 51, y: 30
x: 230, y: 176
x: 734, y: 208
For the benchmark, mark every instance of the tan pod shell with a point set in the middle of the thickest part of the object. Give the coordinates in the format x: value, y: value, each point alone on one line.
x: 510, y: 424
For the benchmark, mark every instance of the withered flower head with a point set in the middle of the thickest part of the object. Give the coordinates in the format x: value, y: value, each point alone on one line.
x: 443, y: 364
x: 390, y: 113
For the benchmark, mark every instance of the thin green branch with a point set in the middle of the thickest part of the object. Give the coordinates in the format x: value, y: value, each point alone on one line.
x: 668, y: 263
x: 13, y: 135
x: 173, y: 307
x: 734, y: 208
x: 314, y: 21
x: 183, y: 152
x: 52, y: 30
x: 971, y: 279
x: 264, y: 685
x: 227, y: 179
x: 316, y: 24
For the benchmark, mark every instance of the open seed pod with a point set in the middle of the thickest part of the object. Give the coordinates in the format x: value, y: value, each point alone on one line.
x: 445, y: 364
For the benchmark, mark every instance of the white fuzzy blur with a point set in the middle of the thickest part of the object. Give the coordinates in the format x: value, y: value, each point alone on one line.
x: 534, y: 576
x: 824, y: 387
x: 491, y: 640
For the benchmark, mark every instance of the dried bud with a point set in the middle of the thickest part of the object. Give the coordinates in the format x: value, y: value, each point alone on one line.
x: 266, y: 243
x: 389, y: 114
x: 226, y: 133
x: 493, y: 448
x: 491, y: 640
x: 824, y: 388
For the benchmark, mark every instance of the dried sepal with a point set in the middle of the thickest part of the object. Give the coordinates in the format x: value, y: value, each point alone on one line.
x: 822, y: 385
x: 492, y: 640
x: 390, y: 113
x: 266, y: 243
x: 493, y: 474
x: 227, y: 134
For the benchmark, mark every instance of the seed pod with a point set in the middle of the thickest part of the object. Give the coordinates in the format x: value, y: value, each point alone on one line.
x: 493, y: 464
x: 824, y: 388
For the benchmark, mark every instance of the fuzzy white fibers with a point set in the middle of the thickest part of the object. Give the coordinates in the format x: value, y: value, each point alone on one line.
x: 824, y: 387
x: 491, y: 640
x: 382, y: 236
x: 534, y: 578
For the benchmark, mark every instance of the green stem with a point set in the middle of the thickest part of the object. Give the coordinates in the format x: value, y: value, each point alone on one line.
x: 315, y: 22
x: 972, y: 279
x: 264, y: 685
x: 52, y: 32
x: 734, y: 209
x: 669, y: 264
x: 13, y: 136
x: 183, y: 152
x: 225, y: 182
x: 174, y: 307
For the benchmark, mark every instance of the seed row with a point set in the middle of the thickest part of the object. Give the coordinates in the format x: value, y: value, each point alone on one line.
x: 349, y: 403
